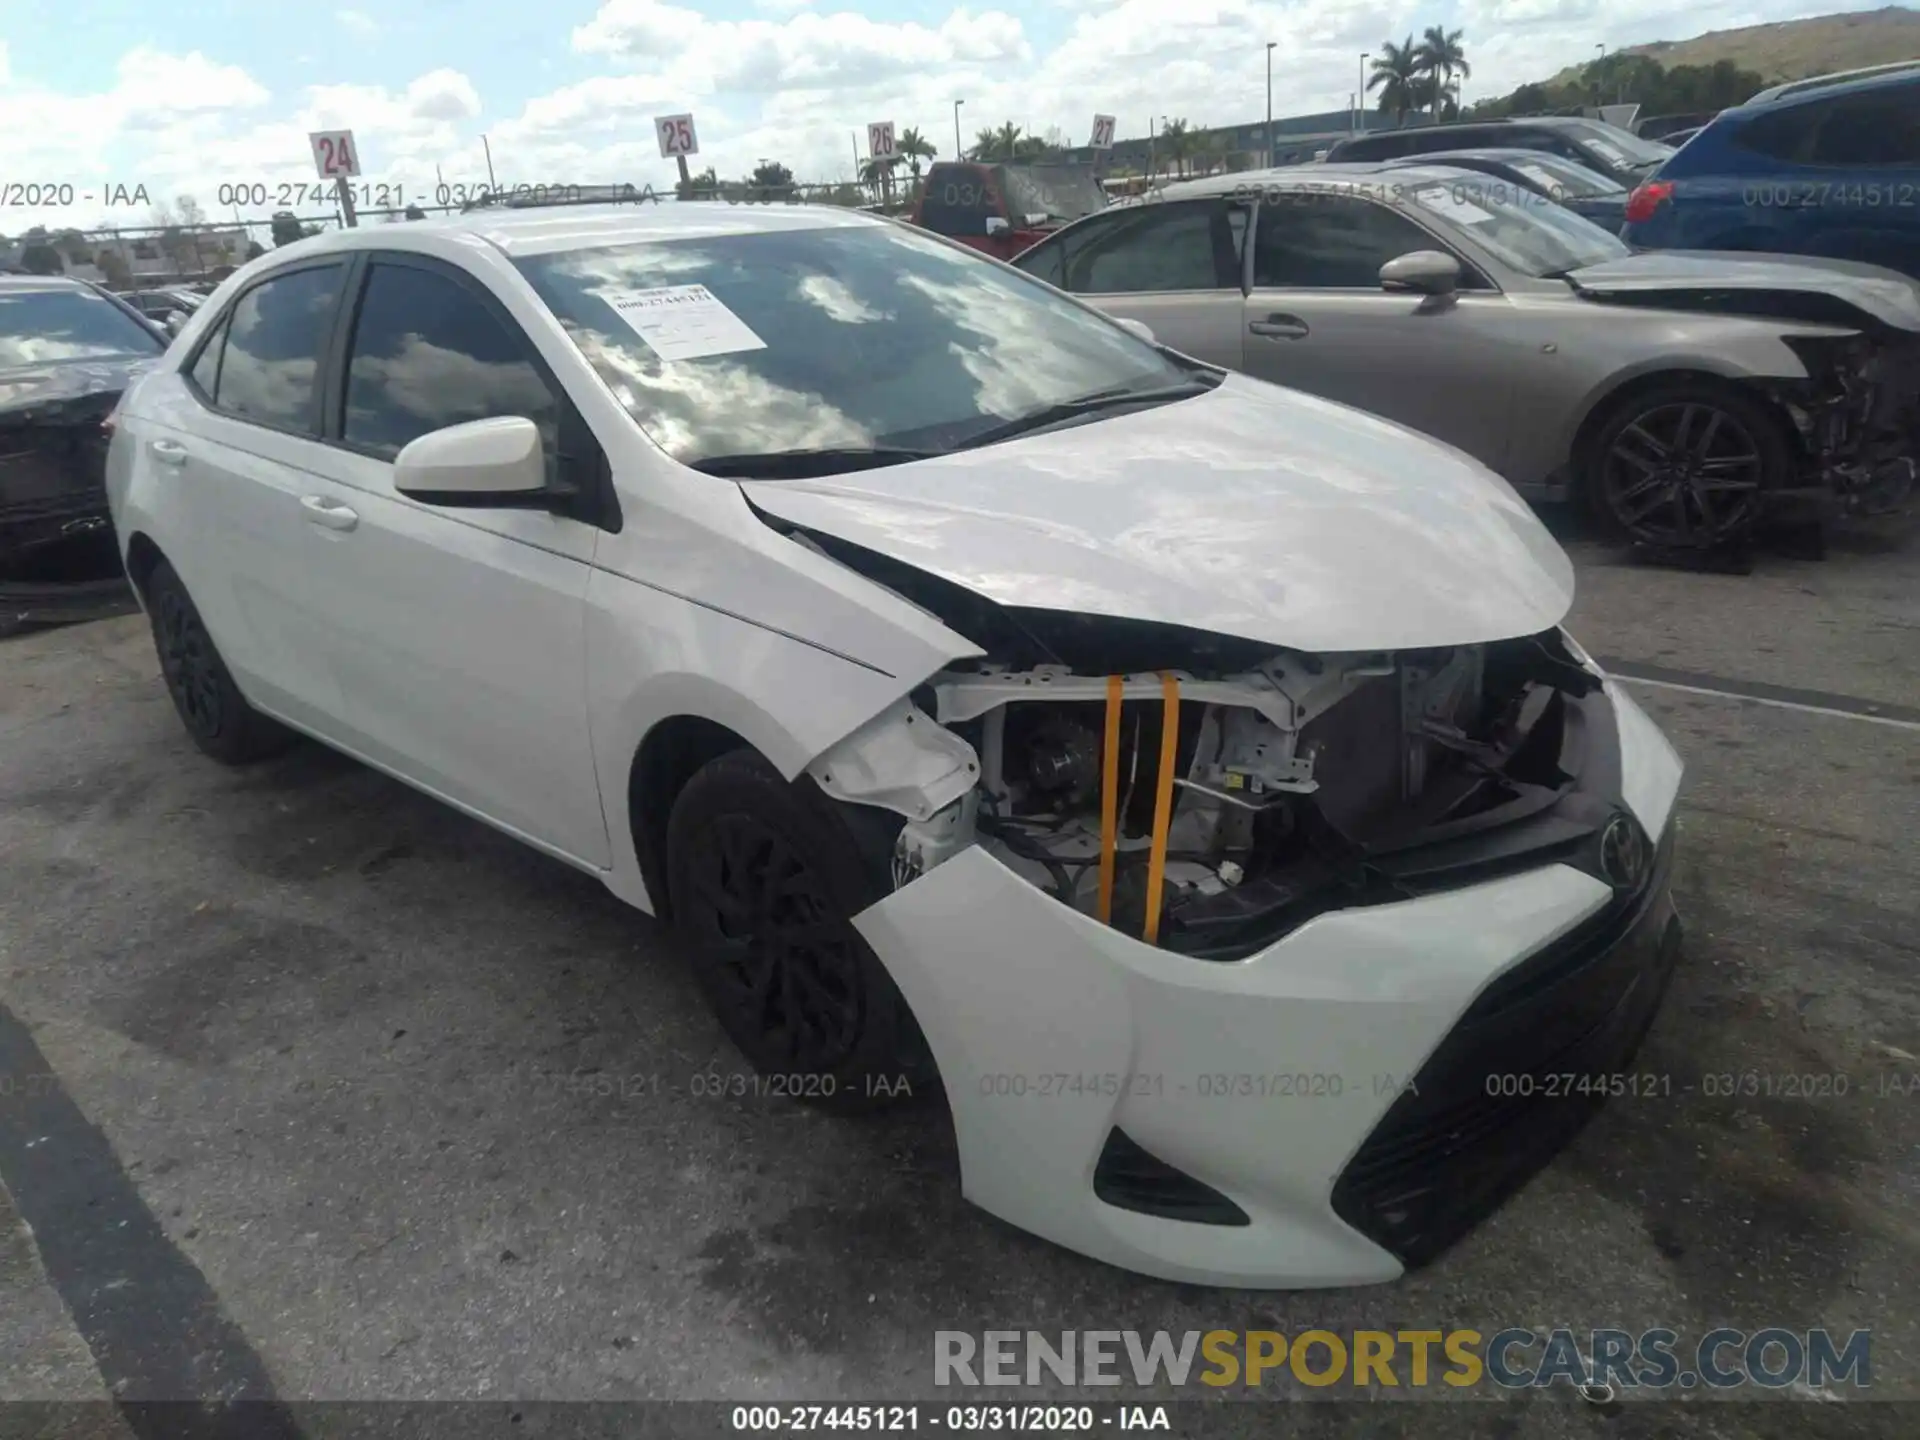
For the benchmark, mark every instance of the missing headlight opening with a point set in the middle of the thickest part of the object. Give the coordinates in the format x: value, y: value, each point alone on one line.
x: 1302, y: 784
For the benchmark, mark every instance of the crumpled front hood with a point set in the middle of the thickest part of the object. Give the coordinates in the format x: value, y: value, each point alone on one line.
x: 1798, y: 287
x: 38, y: 392
x: 1251, y: 511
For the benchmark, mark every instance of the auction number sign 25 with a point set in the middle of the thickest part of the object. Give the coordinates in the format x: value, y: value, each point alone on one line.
x: 676, y: 136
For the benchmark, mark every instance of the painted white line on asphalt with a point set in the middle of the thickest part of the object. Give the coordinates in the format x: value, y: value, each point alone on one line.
x: 1759, y: 700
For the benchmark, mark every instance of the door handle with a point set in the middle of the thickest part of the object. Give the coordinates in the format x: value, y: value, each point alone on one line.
x: 322, y: 511
x: 1279, y: 327
x: 168, y: 452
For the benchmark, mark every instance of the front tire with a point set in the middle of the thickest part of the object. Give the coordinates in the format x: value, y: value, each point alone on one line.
x: 1686, y: 465
x: 764, y: 878
x: 209, y: 704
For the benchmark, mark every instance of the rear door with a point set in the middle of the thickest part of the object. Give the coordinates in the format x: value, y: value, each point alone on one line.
x: 240, y: 462
x: 1317, y: 320
x: 1176, y: 265
x: 456, y: 636
x: 1846, y: 184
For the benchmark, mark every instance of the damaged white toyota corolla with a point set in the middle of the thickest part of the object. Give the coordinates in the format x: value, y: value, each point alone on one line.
x: 1189, y: 775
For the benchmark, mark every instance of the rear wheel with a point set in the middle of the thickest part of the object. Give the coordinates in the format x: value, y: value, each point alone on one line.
x: 765, y: 877
x: 209, y: 704
x: 1686, y: 465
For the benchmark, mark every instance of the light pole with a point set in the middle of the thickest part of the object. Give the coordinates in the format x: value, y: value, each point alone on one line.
x: 958, y: 154
x: 1269, y: 132
x: 1360, y: 101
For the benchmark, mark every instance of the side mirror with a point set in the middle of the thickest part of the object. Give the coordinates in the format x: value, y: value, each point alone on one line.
x: 997, y: 225
x: 1137, y: 327
x: 494, y: 462
x: 175, y: 322
x: 1421, y: 272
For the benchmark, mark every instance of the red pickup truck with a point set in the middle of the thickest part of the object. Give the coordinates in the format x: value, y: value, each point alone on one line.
x: 1002, y: 209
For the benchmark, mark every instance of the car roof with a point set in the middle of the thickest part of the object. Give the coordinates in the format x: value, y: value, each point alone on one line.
x: 539, y: 230
x: 43, y: 282
x: 1292, y: 176
x: 1840, y: 82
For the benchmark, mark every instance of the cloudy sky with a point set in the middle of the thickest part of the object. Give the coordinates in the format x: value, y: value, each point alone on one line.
x: 183, y: 98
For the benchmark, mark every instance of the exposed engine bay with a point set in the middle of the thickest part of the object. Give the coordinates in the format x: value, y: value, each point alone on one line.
x: 1210, y: 813
x: 1859, y: 419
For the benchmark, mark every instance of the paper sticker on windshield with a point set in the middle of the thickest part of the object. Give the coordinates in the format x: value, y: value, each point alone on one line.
x: 1464, y: 212
x: 683, y: 322
x: 1537, y: 175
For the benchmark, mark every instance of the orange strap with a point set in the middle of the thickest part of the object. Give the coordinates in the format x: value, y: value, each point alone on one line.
x: 1110, y: 800
x: 1162, y: 806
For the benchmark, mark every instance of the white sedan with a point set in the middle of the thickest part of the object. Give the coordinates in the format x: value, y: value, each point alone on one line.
x: 1188, y: 776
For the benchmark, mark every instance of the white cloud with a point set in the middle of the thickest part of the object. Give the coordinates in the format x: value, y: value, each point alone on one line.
x: 358, y: 21
x: 793, y: 82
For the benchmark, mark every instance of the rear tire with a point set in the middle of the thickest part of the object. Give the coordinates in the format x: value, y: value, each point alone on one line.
x: 1685, y: 465
x: 210, y: 705
x: 764, y: 877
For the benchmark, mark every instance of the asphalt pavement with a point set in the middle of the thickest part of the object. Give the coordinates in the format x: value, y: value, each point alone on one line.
x: 363, y: 1101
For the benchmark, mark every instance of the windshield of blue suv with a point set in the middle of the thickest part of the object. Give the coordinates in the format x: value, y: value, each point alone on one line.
x: 1532, y: 238
x: 843, y: 337
x: 45, y: 327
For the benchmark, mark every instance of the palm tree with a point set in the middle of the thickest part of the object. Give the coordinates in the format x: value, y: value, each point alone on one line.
x: 1396, y: 75
x: 1179, y: 140
x: 1006, y: 141
x: 876, y: 172
x: 1440, y: 57
x: 914, y: 147
x: 984, y: 142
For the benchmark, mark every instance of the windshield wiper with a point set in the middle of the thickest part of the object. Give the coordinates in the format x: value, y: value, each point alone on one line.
x: 808, y: 464
x: 1085, y: 407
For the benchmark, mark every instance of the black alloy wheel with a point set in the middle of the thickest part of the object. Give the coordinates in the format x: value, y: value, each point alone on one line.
x: 1687, y: 471
x: 764, y: 877
x: 217, y: 716
x: 188, y: 662
x: 783, y: 952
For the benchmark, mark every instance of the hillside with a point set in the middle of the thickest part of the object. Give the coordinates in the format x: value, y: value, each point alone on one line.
x: 1793, y: 49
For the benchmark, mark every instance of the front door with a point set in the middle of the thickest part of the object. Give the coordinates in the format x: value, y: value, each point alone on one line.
x: 1317, y: 320
x: 457, y: 636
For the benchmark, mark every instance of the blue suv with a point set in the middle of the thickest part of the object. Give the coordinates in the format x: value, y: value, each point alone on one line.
x: 1827, y: 167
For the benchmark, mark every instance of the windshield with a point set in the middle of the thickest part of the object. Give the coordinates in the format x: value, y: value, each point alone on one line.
x: 842, y: 337
x: 1618, y: 147
x: 1535, y: 239
x: 40, y: 327
x: 1059, y: 192
x: 1560, y: 177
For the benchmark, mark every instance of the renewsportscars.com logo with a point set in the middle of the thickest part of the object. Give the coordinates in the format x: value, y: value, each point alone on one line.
x: 1513, y: 1359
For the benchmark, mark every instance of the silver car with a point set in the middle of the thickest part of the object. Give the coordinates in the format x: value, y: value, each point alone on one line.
x: 1678, y: 393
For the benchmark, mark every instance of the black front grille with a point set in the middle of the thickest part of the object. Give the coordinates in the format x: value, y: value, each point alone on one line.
x: 1130, y: 1179
x: 1514, y: 1081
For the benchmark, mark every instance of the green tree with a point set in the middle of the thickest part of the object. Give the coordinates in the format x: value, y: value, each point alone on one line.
x: 255, y: 249
x: 114, y: 266
x: 876, y: 173
x: 1001, y: 143
x: 915, y: 147
x: 1441, y: 60
x: 703, y: 186
x: 1396, y: 75
x: 40, y: 258
x: 770, y: 180
x: 287, y: 228
x: 1177, y: 142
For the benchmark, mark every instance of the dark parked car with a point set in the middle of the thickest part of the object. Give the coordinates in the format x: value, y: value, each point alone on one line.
x: 1827, y: 167
x: 1565, y: 182
x: 67, y: 350
x: 1612, y: 151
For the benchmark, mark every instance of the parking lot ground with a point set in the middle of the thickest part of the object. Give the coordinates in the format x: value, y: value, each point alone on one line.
x: 386, y: 1106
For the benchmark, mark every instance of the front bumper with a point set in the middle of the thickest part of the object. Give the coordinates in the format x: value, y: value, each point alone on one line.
x: 1327, y: 1089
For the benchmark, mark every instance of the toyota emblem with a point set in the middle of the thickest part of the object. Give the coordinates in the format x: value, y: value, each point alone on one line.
x: 1623, y: 853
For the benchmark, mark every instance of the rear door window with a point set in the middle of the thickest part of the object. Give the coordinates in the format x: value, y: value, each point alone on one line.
x: 1184, y: 245
x: 1331, y: 242
x: 269, y: 372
